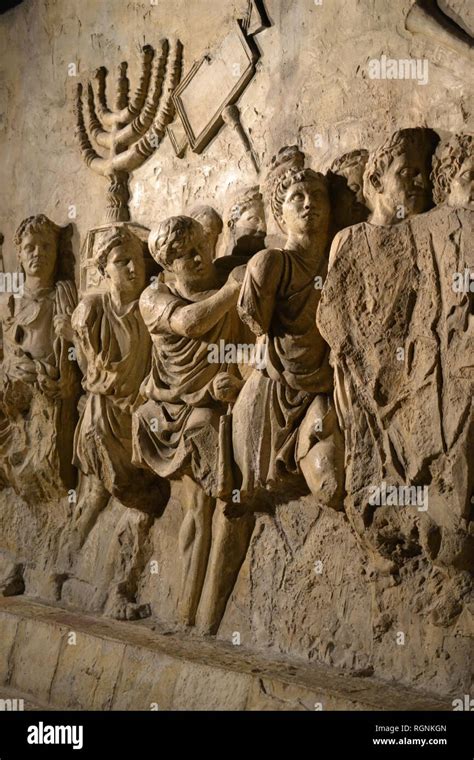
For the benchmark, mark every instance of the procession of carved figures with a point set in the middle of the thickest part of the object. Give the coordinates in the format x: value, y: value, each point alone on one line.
x: 336, y: 360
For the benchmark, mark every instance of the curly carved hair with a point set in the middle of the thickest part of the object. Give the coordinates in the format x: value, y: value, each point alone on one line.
x: 448, y: 159
x: 356, y: 157
x: 174, y: 238
x: 112, y: 238
x: 242, y: 201
x: 63, y: 238
x: 287, y: 168
x: 210, y: 216
x: 423, y: 138
x: 284, y: 181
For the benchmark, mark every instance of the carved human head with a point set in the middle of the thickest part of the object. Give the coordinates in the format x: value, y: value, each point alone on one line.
x: 180, y: 246
x: 288, y: 157
x: 453, y: 172
x: 351, y: 166
x: 211, y: 223
x: 247, y: 210
x: 346, y: 180
x: 120, y: 260
x: 245, y: 219
x: 300, y: 202
x: 45, y: 249
x: 397, y: 176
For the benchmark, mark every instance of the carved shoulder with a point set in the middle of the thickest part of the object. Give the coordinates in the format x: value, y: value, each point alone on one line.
x: 266, y: 266
x: 86, y: 311
x: 340, y: 242
x: 155, y: 304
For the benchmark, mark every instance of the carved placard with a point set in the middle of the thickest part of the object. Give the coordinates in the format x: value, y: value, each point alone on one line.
x: 215, y: 81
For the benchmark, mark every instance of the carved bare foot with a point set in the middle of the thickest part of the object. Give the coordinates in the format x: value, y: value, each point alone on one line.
x: 120, y: 607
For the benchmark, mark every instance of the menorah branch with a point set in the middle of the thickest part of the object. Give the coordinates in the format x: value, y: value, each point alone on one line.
x: 126, y: 141
x: 89, y: 155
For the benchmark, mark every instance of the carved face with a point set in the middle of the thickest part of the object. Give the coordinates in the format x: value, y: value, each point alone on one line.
x: 306, y: 208
x: 347, y: 189
x: 193, y: 266
x: 125, y: 270
x: 251, y: 222
x: 461, y: 193
x: 208, y: 222
x: 38, y: 253
x: 354, y: 178
x: 406, y: 182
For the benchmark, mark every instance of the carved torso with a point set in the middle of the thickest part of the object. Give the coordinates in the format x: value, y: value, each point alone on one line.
x: 279, y: 298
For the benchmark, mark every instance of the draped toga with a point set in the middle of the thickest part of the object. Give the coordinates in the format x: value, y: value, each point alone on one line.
x: 37, y: 460
x: 176, y: 430
x: 279, y: 299
x: 116, y: 348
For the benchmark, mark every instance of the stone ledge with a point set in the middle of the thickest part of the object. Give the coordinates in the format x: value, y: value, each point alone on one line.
x: 134, y: 666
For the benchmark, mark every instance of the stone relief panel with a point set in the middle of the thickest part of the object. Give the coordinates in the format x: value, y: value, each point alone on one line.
x: 217, y: 374
x: 294, y: 351
x: 400, y: 354
x: 39, y: 377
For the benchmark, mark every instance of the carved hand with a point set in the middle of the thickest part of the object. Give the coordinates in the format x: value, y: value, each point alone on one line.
x: 236, y: 277
x: 226, y: 387
x: 50, y: 387
x: 23, y: 369
x: 62, y: 327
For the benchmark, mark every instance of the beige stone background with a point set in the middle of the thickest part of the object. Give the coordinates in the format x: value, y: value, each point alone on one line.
x: 312, y: 87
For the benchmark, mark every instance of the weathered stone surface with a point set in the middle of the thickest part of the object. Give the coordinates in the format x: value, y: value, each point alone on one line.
x: 244, y: 391
x: 187, y: 673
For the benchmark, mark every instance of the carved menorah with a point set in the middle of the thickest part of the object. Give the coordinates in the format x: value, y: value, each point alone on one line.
x: 130, y: 132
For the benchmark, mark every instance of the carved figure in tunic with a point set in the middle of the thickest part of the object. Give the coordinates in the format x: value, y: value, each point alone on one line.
x: 278, y: 302
x: 176, y: 432
x: 40, y: 382
x: 400, y: 337
x: 114, y: 350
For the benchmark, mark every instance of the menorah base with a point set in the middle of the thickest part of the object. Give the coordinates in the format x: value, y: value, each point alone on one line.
x: 118, y: 196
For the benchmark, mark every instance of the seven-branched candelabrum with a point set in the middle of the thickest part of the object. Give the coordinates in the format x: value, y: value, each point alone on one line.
x: 130, y: 132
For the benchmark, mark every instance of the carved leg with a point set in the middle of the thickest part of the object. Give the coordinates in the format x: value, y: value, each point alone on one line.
x: 320, y: 453
x: 93, y: 498
x: 231, y: 538
x: 126, y: 559
x: 194, y: 547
